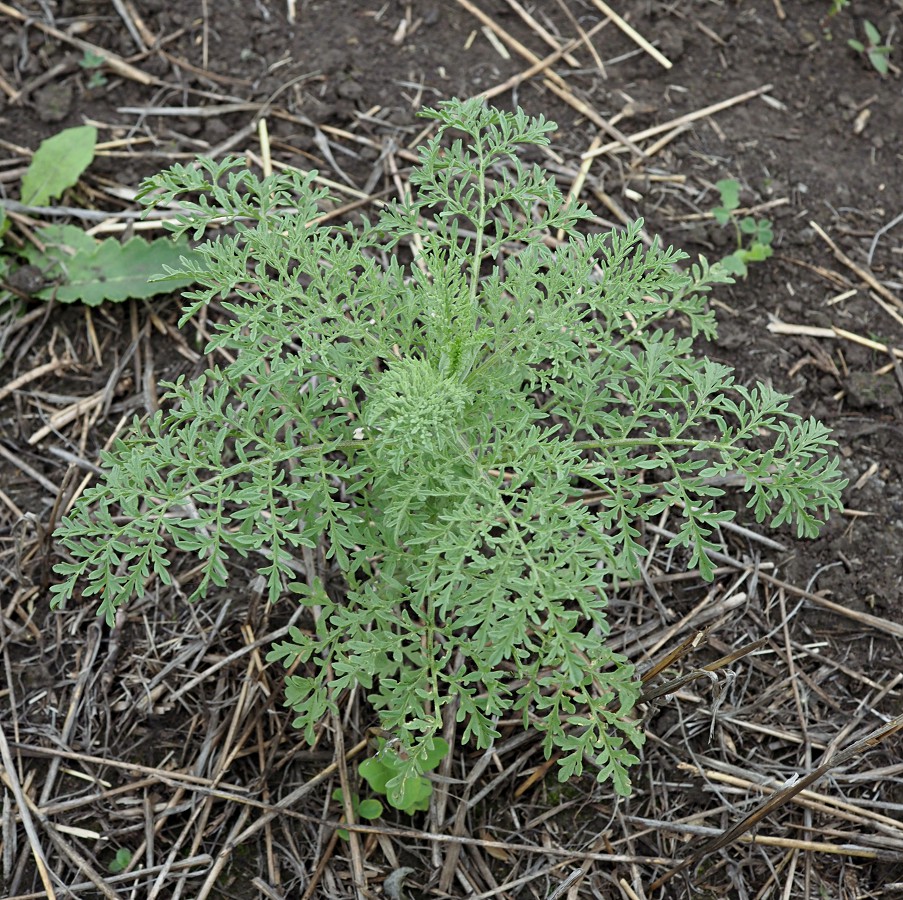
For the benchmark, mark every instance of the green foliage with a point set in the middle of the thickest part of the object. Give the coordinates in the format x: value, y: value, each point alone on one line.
x: 754, y: 236
x: 838, y: 6
x: 80, y: 267
x: 120, y: 861
x: 58, y: 164
x: 876, y: 52
x: 436, y: 423
x: 75, y: 265
x: 390, y: 773
x: 363, y: 809
x: 93, y: 62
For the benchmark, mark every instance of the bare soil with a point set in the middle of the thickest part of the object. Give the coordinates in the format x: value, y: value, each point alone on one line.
x: 165, y: 735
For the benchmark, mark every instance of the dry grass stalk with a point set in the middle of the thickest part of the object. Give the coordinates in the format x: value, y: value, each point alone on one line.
x: 834, y: 332
x: 688, y: 118
x: 781, y: 797
x: 633, y: 34
x: 553, y: 81
x: 539, y: 66
x: 543, y: 34
x: 858, y: 270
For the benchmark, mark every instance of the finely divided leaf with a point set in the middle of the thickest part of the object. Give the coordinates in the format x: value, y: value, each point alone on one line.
x: 435, y: 426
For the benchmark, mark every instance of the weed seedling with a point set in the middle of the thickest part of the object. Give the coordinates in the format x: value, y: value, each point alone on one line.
x: 93, y: 63
x: 754, y: 236
x: 120, y: 861
x: 876, y: 52
x: 388, y: 774
x: 363, y: 809
x: 472, y: 424
x: 74, y: 265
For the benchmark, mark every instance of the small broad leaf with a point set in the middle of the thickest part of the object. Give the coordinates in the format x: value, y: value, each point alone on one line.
x: 58, y: 164
x: 758, y: 252
x: 120, y: 861
x: 764, y: 233
x: 878, y: 59
x: 734, y: 264
x: 438, y: 752
x: 409, y: 794
x: 93, y: 271
x: 722, y: 215
x: 370, y: 809
x: 729, y: 188
x: 376, y: 774
x: 872, y: 33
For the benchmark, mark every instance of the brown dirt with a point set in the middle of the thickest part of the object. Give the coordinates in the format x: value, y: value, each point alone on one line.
x: 822, y: 145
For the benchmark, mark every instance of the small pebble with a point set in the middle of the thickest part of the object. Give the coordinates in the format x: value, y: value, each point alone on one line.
x: 350, y: 89
x: 53, y: 102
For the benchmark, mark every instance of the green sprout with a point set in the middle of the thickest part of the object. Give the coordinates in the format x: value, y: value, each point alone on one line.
x: 388, y: 773
x: 363, y: 809
x: 93, y: 62
x: 121, y: 861
x: 876, y: 52
x: 754, y: 236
